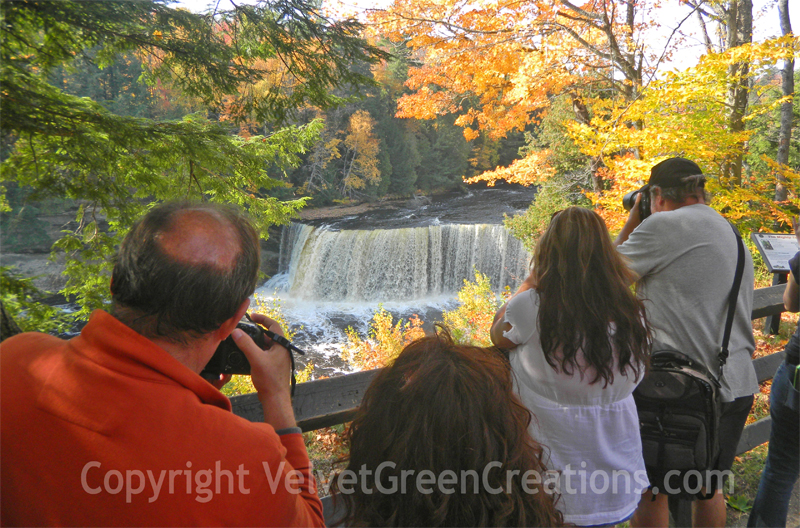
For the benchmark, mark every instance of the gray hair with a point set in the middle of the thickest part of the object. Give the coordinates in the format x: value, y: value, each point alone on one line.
x: 692, y: 186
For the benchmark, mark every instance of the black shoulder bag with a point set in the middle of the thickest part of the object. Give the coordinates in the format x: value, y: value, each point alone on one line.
x: 679, y: 408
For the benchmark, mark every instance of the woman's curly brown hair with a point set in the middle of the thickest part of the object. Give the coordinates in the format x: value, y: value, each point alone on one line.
x: 444, y: 408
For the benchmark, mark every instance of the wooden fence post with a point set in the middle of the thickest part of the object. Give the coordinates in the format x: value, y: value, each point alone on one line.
x: 772, y: 322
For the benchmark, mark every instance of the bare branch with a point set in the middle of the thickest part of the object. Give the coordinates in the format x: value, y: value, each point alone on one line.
x: 569, y: 5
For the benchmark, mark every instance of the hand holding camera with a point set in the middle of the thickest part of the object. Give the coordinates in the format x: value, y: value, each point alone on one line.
x: 228, y: 359
x: 271, y: 372
x: 638, y: 201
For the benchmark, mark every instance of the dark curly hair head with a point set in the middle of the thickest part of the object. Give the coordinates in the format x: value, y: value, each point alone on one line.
x: 445, y: 416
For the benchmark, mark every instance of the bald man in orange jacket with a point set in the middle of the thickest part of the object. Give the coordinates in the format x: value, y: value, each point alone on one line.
x: 116, y: 427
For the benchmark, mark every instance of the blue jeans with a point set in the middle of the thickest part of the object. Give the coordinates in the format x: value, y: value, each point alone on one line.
x: 783, y: 459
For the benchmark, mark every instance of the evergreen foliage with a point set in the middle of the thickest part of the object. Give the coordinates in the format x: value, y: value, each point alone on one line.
x: 20, y: 296
x: 117, y: 165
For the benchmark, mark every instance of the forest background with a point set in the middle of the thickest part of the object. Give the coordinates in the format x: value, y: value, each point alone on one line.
x: 110, y: 107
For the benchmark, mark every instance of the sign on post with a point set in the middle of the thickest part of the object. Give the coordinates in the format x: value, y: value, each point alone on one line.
x: 776, y: 249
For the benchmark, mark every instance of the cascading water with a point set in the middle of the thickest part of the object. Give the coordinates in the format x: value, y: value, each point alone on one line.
x: 397, y: 264
x: 409, y: 261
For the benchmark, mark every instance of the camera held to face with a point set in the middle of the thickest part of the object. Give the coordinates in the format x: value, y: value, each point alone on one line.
x: 228, y: 359
x: 629, y: 200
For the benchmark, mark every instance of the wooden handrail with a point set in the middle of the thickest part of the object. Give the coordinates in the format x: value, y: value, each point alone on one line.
x: 768, y: 301
x: 317, y: 404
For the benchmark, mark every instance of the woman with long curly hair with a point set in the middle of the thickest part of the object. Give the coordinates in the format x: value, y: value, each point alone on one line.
x: 578, y: 342
x: 440, y: 439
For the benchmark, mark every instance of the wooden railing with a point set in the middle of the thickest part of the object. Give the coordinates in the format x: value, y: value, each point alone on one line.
x: 333, y: 401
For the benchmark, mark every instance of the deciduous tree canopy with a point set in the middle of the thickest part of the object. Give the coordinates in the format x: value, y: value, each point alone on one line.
x: 499, y: 65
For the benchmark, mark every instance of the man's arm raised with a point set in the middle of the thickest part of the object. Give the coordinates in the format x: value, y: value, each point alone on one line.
x: 632, y: 223
x: 270, y: 370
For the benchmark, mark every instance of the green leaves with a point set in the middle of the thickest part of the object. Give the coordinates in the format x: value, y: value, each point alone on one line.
x: 313, y: 53
x: 119, y: 176
x: 116, y: 166
x: 202, y: 56
x: 19, y: 298
x: 739, y: 502
x: 555, y: 194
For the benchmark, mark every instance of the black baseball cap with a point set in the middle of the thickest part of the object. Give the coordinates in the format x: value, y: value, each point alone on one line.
x: 672, y: 171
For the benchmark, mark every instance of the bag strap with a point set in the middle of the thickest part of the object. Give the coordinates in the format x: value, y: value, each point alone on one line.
x: 732, y: 297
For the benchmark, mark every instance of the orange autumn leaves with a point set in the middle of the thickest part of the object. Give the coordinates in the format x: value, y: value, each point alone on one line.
x: 498, y: 64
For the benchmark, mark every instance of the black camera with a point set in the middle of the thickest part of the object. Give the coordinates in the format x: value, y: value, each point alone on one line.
x: 644, y: 205
x: 228, y: 359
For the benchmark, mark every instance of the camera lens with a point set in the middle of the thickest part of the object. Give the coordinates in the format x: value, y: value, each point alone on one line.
x: 237, y: 360
x: 630, y: 199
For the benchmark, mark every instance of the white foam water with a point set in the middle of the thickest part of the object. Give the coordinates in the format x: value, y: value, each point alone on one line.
x: 391, y: 265
x: 331, y: 279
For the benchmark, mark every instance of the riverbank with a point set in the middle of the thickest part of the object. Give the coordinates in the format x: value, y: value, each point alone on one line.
x: 331, y: 212
x: 339, y: 211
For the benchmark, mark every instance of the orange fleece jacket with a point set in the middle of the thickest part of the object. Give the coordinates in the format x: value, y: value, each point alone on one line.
x: 108, y: 429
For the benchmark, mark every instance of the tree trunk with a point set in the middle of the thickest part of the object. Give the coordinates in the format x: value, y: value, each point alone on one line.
x: 583, y: 117
x: 346, y: 170
x: 8, y: 327
x: 740, y: 31
x: 787, y: 85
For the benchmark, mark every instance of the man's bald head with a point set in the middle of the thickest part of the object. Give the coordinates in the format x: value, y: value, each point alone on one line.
x: 184, y: 269
x: 197, y: 238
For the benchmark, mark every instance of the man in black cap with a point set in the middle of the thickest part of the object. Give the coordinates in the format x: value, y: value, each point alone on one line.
x: 685, y: 257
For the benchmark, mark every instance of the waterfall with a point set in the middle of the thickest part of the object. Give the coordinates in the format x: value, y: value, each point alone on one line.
x: 397, y: 264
